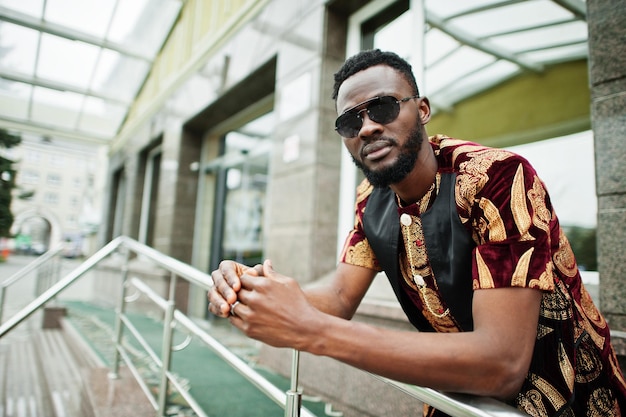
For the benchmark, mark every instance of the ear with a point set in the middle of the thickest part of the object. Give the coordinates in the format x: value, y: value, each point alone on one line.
x: 424, y: 109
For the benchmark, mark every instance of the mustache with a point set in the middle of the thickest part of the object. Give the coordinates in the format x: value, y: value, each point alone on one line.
x: 376, y: 144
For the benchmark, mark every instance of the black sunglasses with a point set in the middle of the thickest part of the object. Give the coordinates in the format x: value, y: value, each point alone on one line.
x: 381, y: 110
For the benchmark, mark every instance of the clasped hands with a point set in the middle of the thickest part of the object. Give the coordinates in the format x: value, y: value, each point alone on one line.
x: 265, y: 305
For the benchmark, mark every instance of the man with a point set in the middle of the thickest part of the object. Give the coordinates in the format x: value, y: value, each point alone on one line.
x: 473, y: 249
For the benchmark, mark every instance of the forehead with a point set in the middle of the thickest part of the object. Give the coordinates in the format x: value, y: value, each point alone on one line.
x: 371, y: 82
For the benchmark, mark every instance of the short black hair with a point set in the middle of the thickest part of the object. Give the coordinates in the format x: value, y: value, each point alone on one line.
x: 369, y: 58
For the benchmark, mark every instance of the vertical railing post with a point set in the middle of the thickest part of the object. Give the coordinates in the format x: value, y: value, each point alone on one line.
x: 294, y: 396
x: 121, y: 307
x: 2, y: 297
x: 166, y: 356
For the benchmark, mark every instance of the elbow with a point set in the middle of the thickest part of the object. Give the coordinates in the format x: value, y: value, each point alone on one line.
x: 506, y: 380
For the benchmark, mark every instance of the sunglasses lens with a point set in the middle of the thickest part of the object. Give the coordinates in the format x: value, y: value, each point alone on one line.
x: 382, y: 110
x: 348, y: 124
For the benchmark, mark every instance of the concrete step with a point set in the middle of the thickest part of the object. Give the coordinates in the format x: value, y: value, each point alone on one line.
x: 25, y: 391
x: 40, y: 376
x: 61, y: 372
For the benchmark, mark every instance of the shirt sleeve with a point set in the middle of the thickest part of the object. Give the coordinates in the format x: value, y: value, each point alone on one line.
x: 513, y: 222
x: 356, y: 249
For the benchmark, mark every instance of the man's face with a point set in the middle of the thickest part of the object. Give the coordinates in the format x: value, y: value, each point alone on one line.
x: 385, y: 152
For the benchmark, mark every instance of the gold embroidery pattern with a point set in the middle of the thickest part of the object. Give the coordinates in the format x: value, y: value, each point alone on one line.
x: 361, y: 254
x: 477, y: 166
x: 415, y: 233
x: 530, y: 403
x: 497, y: 232
x: 521, y: 269
x: 602, y: 404
x: 589, y: 328
x: 363, y: 190
x: 519, y: 208
x: 543, y: 331
x: 556, y: 305
x: 564, y: 258
x: 416, y: 263
x: 552, y: 394
x: 588, y: 364
x: 545, y: 281
x: 567, y: 370
x: 590, y: 309
x: 537, y: 197
x: 616, y: 367
x: 485, y: 280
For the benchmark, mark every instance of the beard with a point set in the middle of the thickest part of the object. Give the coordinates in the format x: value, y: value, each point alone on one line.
x: 401, y: 167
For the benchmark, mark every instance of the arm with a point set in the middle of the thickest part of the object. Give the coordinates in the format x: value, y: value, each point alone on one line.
x: 343, y: 293
x: 491, y: 360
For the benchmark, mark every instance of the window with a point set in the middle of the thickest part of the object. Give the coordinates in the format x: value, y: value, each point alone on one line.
x: 54, y: 179
x: 28, y: 177
x: 33, y: 157
x: 51, y: 198
x: 57, y: 160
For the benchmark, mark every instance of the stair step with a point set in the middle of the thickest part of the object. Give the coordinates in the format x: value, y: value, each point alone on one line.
x: 25, y: 388
x: 61, y: 372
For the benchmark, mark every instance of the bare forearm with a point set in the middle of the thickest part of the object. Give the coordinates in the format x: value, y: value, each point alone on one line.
x: 328, y: 301
x: 457, y: 362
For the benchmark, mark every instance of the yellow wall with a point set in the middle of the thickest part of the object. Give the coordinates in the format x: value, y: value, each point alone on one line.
x: 527, y: 108
x: 202, y: 27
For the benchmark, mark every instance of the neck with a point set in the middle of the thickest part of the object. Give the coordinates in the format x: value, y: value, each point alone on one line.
x: 415, y: 185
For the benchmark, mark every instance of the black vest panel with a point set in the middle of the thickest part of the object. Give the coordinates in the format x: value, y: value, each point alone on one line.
x: 448, y: 244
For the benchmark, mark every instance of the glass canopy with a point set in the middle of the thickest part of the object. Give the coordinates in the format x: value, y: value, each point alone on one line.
x: 73, y: 67
x: 471, y: 45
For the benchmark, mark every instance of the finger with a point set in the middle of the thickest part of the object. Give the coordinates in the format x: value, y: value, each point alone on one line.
x: 232, y: 308
x: 223, y: 288
x: 231, y: 271
x: 217, y: 304
x: 268, y: 269
x: 258, y: 268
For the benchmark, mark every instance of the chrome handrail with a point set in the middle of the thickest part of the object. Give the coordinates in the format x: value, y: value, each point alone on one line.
x: 456, y: 405
x: 19, y: 275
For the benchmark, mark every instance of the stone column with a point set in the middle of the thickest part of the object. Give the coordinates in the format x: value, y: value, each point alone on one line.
x: 607, y: 75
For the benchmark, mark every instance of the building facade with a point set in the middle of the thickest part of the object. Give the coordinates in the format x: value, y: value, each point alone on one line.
x: 58, y: 195
x: 230, y: 152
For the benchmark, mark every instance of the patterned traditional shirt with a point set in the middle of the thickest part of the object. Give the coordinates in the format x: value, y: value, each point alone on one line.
x: 519, y: 243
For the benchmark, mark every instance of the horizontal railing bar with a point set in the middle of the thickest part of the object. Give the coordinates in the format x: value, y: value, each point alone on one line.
x: 149, y: 292
x: 458, y: 405
x: 31, y: 266
x: 60, y: 286
x: 181, y: 269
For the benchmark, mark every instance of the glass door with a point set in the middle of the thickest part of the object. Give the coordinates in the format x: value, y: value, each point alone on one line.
x: 240, y: 193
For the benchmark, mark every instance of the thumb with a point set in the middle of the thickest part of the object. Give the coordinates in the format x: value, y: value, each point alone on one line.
x: 268, y: 269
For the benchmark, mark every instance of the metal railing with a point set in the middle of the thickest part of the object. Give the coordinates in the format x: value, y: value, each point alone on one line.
x: 41, y: 261
x: 456, y: 405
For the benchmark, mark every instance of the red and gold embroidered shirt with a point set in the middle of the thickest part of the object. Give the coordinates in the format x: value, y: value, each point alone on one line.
x: 519, y: 243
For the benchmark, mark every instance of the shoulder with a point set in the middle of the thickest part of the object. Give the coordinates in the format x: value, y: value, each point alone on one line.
x: 476, y: 164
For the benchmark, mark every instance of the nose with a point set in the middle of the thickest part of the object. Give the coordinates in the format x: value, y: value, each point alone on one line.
x: 370, y: 127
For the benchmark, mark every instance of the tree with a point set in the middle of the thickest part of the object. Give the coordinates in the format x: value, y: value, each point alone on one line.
x: 7, y: 181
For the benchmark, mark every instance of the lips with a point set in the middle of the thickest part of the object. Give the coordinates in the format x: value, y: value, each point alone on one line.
x: 376, y: 150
